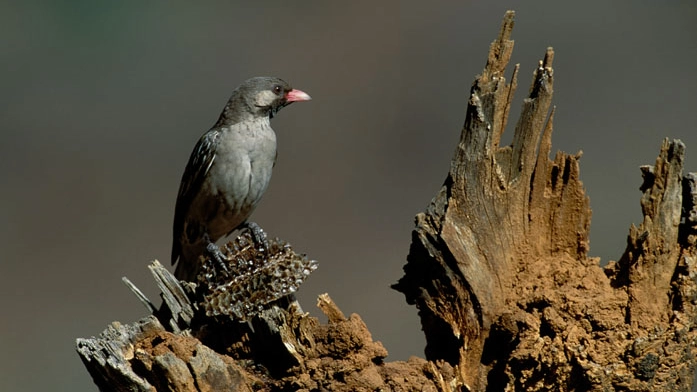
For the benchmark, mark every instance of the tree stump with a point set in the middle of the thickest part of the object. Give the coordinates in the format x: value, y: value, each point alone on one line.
x: 499, y: 271
x: 498, y: 268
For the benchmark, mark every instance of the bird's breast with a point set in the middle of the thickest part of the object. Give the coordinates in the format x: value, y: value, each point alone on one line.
x: 241, y: 172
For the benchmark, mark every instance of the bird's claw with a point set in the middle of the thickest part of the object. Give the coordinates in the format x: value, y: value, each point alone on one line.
x: 218, y: 258
x: 259, y: 236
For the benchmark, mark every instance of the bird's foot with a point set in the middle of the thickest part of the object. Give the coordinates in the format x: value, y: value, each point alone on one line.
x: 259, y: 237
x: 218, y: 258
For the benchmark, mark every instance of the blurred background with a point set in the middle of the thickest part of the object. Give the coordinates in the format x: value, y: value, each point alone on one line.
x: 102, y: 103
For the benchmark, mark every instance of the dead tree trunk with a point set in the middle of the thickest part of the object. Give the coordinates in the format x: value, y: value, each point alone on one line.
x: 498, y: 268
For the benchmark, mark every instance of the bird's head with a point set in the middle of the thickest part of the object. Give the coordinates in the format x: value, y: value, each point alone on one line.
x: 258, y: 97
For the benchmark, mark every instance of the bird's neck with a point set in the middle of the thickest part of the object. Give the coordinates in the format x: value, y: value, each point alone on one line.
x: 253, y: 123
x: 239, y: 110
x: 232, y: 116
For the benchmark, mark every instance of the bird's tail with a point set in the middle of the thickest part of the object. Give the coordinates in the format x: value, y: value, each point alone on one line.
x: 189, y: 264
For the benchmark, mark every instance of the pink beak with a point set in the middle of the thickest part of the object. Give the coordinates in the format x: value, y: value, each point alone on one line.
x: 297, y: 95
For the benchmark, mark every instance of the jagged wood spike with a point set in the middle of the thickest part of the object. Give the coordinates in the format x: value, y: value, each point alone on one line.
x: 139, y: 294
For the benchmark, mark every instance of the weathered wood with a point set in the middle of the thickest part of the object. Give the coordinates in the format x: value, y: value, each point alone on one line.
x: 649, y: 262
x: 107, y: 357
x: 498, y: 268
x: 329, y: 308
x: 191, y: 344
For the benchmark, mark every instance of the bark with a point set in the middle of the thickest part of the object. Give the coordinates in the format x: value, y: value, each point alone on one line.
x: 498, y: 269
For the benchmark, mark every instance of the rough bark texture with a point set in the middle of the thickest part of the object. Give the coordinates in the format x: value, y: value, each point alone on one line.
x: 181, y: 348
x: 498, y: 268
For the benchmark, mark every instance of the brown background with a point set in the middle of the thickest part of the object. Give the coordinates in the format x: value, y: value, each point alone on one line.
x: 103, y: 102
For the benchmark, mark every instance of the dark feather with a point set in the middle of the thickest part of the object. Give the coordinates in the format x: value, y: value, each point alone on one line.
x: 199, y: 163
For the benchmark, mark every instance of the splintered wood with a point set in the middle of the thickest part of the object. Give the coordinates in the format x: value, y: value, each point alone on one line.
x: 499, y: 270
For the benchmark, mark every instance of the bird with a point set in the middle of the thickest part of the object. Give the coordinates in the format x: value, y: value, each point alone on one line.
x: 228, y: 172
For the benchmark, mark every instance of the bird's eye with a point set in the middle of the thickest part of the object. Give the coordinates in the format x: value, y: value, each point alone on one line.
x: 277, y: 90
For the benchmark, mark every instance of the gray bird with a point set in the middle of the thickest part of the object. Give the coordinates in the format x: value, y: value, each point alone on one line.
x: 228, y: 172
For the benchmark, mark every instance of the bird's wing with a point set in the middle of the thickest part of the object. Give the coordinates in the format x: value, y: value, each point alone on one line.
x: 199, y: 163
